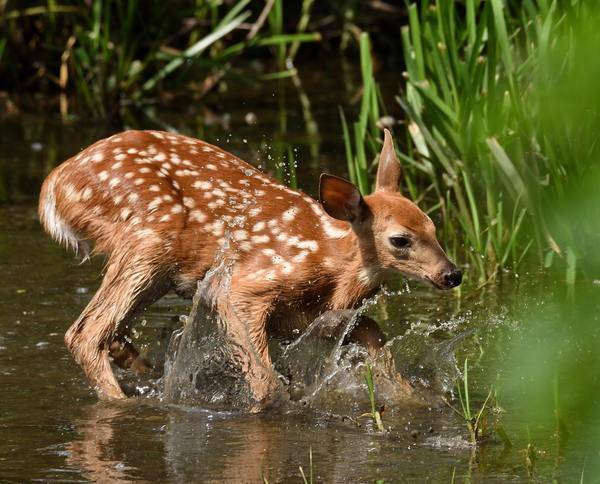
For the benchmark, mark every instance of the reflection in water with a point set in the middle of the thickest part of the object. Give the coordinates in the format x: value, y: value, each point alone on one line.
x: 95, y: 452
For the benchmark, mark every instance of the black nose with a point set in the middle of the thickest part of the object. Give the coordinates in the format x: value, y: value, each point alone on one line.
x: 452, y: 278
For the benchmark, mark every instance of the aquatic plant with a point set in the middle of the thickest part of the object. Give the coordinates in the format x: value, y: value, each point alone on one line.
x: 474, y: 99
x: 474, y: 420
x: 111, y: 54
x: 375, y: 414
x: 310, y: 469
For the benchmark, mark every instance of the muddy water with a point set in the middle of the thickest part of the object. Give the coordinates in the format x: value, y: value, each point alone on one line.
x: 53, y: 429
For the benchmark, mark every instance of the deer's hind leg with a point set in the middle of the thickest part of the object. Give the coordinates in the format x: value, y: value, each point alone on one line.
x: 129, y: 284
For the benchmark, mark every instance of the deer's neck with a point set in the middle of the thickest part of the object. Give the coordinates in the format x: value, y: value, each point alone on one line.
x: 356, y: 272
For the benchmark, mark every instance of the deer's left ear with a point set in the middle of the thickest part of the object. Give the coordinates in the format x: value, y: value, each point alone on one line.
x: 388, y: 172
x: 341, y: 199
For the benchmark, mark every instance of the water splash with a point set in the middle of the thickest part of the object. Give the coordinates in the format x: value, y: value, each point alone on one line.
x: 205, y: 366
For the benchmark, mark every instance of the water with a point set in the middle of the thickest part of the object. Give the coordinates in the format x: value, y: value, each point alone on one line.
x: 53, y: 428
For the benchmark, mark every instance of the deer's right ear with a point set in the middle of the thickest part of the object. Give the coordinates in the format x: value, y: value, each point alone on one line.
x: 341, y: 199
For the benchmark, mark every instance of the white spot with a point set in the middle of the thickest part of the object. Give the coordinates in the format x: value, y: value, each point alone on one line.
x: 153, y: 205
x: 139, y: 181
x: 145, y: 169
x: 207, y: 148
x: 334, y: 232
x: 114, y: 182
x: 154, y: 188
x: 129, y: 174
x: 117, y: 199
x: 97, y: 156
x: 103, y: 175
x: 167, y: 198
x: 197, y: 216
x: 217, y: 192
x: 87, y: 193
x: 290, y: 214
x: 240, y: 235
x: 135, y: 220
x: 133, y: 197
x: 258, y: 226
x: 120, y: 157
x: 132, y: 151
x: 253, y: 212
x: 311, y: 245
x: 160, y: 156
x: 269, y: 252
x: 217, y: 228
x: 203, y: 185
x: 125, y: 213
x: 210, y: 166
x: 165, y: 218
x: 176, y: 208
x: 71, y: 193
x: 189, y: 202
x: 261, y: 239
x: 301, y: 256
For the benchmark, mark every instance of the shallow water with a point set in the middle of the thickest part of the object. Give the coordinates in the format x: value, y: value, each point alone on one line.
x: 53, y: 429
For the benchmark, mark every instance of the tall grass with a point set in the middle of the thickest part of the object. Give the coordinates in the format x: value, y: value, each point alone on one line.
x: 474, y: 145
x: 111, y: 54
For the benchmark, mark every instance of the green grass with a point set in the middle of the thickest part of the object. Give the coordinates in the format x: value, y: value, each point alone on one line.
x: 112, y: 54
x: 475, y: 151
x: 375, y: 414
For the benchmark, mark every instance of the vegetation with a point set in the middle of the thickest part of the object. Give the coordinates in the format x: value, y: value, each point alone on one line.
x: 375, y: 413
x: 476, y: 90
x: 498, y: 138
x: 111, y: 53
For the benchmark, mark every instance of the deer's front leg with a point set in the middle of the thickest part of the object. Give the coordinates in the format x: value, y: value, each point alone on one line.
x: 246, y: 321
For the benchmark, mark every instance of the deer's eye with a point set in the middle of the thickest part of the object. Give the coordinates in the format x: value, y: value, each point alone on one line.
x: 400, y: 241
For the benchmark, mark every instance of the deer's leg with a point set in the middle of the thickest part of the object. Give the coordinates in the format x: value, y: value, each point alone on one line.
x: 246, y: 326
x: 128, y: 280
x: 122, y: 352
x: 367, y: 334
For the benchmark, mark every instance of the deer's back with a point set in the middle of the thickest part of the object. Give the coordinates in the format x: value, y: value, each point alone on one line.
x: 184, y: 198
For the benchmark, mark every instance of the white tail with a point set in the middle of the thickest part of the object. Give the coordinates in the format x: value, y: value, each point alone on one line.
x: 161, y: 205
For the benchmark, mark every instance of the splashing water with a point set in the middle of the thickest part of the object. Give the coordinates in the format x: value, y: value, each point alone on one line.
x: 204, y: 366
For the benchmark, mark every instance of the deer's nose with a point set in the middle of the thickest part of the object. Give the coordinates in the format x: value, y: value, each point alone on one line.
x: 452, y: 277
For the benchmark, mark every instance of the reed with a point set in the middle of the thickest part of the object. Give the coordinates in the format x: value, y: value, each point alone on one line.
x: 375, y: 414
x: 475, y: 144
x: 112, y: 54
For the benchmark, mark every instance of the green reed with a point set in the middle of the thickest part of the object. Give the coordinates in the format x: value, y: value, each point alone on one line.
x: 475, y: 150
x: 375, y: 414
x: 111, y: 54
x: 311, y: 469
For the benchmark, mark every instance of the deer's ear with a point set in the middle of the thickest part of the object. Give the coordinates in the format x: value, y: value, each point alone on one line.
x: 341, y: 199
x: 388, y: 172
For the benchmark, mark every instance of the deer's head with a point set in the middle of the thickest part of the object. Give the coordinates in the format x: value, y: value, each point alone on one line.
x: 392, y: 232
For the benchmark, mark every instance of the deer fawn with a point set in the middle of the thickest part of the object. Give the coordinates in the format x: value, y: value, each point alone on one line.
x: 161, y: 205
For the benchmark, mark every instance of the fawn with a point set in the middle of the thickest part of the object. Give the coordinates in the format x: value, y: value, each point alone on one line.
x: 161, y: 205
